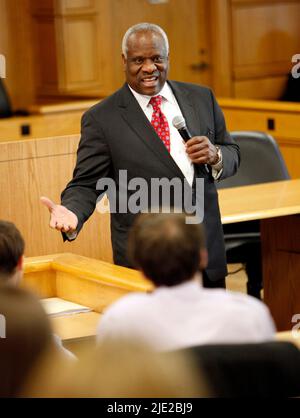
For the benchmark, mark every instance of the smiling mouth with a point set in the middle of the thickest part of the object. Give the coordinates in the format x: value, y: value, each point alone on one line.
x: 149, y: 81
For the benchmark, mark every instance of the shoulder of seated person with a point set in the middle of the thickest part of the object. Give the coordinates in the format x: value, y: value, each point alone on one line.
x: 131, y: 299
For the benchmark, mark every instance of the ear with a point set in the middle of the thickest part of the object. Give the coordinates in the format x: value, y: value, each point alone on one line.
x: 203, y: 258
x: 124, y: 60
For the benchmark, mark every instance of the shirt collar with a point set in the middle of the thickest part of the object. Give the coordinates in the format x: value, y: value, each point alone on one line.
x: 194, y: 284
x: 143, y: 100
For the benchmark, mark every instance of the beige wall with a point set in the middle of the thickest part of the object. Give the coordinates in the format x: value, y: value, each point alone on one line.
x: 246, y: 44
x: 16, y: 45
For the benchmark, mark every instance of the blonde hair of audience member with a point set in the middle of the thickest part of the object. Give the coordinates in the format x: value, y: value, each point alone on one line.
x: 115, y: 370
x: 26, y: 336
x: 11, y: 254
x: 167, y: 249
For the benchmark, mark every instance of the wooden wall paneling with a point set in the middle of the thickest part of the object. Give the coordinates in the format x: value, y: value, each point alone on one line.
x: 75, y: 6
x: 15, y: 45
x: 252, y: 45
x: 190, y: 51
x: 43, y: 167
x: 79, y: 56
x: 266, y: 88
x: 186, y: 25
x: 72, y: 65
x: 247, y: 44
x: 281, y: 266
x: 46, y: 65
x: 221, y: 34
x: 285, y: 124
x: 42, y: 7
x: 255, y: 115
x: 271, y: 39
x: 4, y: 28
x: 265, y: 36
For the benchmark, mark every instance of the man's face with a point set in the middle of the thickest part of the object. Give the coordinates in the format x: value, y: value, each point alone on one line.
x: 147, y: 63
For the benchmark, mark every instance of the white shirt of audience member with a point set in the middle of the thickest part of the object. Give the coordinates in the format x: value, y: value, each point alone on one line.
x: 187, y: 315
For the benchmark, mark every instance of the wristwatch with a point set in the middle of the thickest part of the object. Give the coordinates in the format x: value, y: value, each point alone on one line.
x: 218, y: 155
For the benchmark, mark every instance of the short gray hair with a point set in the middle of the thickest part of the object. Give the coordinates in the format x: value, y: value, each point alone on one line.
x: 141, y: 27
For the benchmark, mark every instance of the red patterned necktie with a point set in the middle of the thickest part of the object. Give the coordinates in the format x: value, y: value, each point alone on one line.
x: 159, y: 121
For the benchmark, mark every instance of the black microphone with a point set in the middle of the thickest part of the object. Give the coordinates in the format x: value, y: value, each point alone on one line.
x: 179, y: 124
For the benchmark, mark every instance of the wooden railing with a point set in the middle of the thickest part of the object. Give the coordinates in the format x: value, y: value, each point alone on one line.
x: 33, y: 168
x: 279, y: 119
x: 45, y: 121
x: 82, y: 280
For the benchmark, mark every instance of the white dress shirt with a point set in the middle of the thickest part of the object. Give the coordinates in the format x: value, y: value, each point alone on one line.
x: 187, y: 315
x: 170, y: 109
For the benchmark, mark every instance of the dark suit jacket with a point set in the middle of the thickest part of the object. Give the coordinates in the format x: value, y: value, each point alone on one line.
x: 116, y: 135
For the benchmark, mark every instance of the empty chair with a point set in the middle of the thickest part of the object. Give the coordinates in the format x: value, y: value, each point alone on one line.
x: 261, y: 162
x: 250, y: 370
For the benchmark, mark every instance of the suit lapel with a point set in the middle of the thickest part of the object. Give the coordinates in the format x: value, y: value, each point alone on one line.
x: 137, y: 120
x: 187, y: 107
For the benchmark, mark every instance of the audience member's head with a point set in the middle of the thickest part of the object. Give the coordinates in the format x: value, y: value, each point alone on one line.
x: 11, y: 253
x: 25, y: 336
x: 166, y: 249
x: 132, y: 371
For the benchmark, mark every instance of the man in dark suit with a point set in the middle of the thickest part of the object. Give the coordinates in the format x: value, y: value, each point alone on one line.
x: 131, y: 131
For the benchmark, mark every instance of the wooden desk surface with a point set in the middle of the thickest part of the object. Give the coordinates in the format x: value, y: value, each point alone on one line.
x: 288, y: 336
x: 50, y: 108
x: 266, y: 105
x: 76, y: 327
x: 262, y: 201
x: 82, y: 326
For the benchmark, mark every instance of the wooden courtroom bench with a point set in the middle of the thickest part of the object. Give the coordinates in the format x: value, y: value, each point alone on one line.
x: 279, y: 119
x: 82, y: 280
x: 45, y: 121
